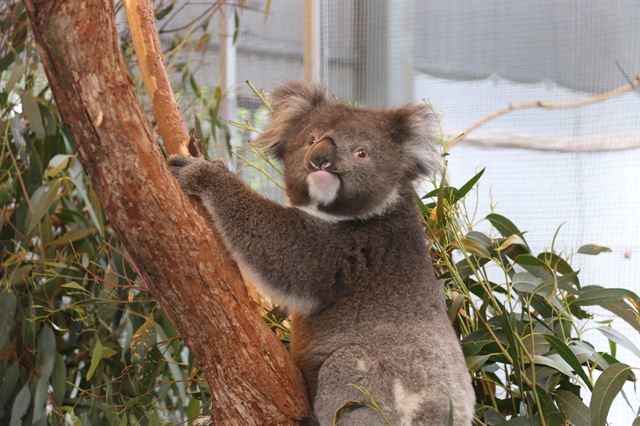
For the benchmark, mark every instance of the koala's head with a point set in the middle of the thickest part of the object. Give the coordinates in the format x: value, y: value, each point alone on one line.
x: 342, y: 161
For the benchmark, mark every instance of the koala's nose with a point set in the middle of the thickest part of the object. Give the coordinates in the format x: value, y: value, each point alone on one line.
x: 322, y: 154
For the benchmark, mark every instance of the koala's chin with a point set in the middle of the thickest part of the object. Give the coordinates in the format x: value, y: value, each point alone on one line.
x: 323, y: 186
x: 349, y: 258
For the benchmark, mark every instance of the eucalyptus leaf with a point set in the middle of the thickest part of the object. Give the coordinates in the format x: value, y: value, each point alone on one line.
x: 40, y: 398
x: 32, y: 112
x: 58, y: 380
x: 593, y: 249
x: 503, y: 225
x: 563, y: 350
x: 20, y: 406
x: 73, y: 235
x: 607, y: 387
x: 473, y: 247
x: 475, y: 362
x: 8, y: 304
x: 464, y: 189
x: 594, y: 295
x: 41, y: 202
x: 96, y: 356
x: 576, y: 411
x: 9, y: 382
x: 614, y: 335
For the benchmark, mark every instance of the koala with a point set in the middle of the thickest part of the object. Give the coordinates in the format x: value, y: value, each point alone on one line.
x: 348, y: 257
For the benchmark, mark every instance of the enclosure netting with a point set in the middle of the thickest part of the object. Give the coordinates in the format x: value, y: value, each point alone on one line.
x: 579, y: 168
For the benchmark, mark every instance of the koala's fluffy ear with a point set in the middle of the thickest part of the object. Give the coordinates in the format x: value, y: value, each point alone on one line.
x: 413, y: 129
x: 290, y: 102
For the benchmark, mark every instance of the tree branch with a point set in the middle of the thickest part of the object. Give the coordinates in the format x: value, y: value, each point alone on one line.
x: 252, y: 377
x: 146, y: 44
x: 548, y: 105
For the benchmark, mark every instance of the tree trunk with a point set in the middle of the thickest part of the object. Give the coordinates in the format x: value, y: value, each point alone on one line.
x: 252, y: 377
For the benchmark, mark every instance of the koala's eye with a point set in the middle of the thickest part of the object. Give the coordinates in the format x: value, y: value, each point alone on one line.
x: 361, y: 153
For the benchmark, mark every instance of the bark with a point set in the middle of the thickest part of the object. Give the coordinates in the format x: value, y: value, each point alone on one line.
x: 252, y: 377
x: 156, y: 82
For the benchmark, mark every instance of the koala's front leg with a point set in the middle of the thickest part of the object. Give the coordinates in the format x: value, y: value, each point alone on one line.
x: 193, y: 174
x: 276, y: 245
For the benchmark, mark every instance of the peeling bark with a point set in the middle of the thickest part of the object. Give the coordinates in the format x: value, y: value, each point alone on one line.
x: 171, y: 125
x: 252, y: 377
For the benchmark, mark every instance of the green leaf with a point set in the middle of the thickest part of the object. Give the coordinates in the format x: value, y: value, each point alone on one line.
x: 535, y: 266
x: 16, y: 74
x: 145, y: 356
x: 40, y: 398
x: 595, y: 295
x: 464, y: 189
x: 9, y: 381
x: 573, y: 407
x: 615, y: 336
x: 605, y: 390
x: 46, y: 351
x: 625, y: 312
x: 512, y: 349
x: 193, y: 409
x: 593, y: 249
x: 96, y: 356
x: 525, y: 282
x: 20, y: 406
x: 475, y: 362
x: 563, y: 350
x: 74, y: 286
x: 31, y: 111
x: 8, y: 304
x: 504, y: 226
x: 159, y: 14
x: 236, y: 23
x: 58, y: 380
x: 195, y: 87
x: 475, y: 248
x: 473, y: 347
x: 41, y: 201
x: 176, y: 372
x: 73, y: 235
x: 77, y: 176
x: 554, y: 361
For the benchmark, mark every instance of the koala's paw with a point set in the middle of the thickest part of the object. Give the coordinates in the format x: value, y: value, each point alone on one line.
x: 193, y: 174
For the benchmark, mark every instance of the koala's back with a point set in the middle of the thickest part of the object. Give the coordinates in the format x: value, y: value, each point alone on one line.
x: 387, y: 331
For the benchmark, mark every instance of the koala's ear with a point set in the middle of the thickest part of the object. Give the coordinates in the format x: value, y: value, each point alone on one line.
x: 413, y: 128
x: 290, y: 102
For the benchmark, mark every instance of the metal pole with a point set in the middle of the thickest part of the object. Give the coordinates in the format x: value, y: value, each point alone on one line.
x: 228, y: 63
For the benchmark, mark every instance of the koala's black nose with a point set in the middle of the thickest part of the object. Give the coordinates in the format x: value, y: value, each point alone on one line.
x: 322, y: 154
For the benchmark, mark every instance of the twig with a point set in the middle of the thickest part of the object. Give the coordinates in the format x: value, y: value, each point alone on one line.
x: 548, y: 105
x: 146, y: 43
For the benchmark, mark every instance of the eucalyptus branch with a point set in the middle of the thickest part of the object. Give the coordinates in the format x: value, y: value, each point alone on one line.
x: 549, y: 105
x: 146, y: 43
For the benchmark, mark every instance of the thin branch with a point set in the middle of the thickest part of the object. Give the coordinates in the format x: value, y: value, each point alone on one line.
x: 550, y: 105
x: 146, y: 43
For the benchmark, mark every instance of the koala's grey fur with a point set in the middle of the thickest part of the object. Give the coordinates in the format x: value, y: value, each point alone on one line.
x: 351, y: 264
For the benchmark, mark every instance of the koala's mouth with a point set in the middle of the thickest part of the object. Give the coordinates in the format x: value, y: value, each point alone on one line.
x: 323, y: 186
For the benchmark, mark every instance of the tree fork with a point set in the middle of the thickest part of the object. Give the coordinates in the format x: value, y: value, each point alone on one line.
x: 252, y: 377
